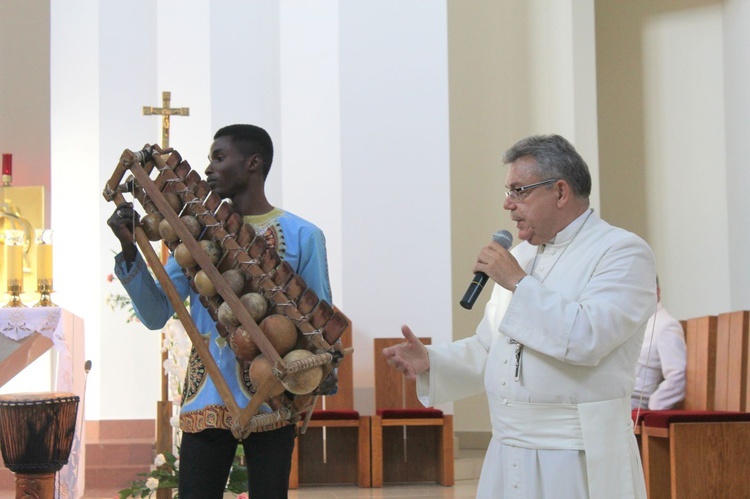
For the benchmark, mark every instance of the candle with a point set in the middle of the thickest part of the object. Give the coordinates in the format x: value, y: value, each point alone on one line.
x: 14, y: 259
x: 7, y: 164
x: 7, y: 169
x: 44, y: 256
x: 44, y: 266
x: 44, y: 262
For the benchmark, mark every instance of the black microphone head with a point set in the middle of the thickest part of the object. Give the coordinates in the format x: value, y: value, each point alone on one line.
x: 503, y: 237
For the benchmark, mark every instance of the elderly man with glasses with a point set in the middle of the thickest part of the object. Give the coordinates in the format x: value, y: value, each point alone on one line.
x: 557, y: 347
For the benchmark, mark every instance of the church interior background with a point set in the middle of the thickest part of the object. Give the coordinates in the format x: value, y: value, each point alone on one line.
x: 389, y: 118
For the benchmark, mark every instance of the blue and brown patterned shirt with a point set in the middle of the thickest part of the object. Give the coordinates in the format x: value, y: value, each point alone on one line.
x: 296, y: 240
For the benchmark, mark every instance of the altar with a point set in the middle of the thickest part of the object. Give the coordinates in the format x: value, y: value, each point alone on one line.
x: 48, y: 344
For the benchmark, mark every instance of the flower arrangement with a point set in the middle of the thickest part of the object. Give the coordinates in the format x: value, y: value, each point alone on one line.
x: 176, y: 343
x: 166, y: 475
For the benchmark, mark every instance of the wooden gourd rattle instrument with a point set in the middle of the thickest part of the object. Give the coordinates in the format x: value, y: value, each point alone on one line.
x: 286, y: 338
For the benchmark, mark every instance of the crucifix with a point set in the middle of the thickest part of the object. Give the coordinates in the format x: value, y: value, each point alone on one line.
x: 164, y: 406
x: 165, y: 112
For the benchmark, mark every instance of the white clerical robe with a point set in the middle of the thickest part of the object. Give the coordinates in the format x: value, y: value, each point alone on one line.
x: 660, y: 375
x: 563, y: 428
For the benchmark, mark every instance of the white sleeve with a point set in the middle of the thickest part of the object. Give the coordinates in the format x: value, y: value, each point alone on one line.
x: 456, y: 371
x: 673, y: 355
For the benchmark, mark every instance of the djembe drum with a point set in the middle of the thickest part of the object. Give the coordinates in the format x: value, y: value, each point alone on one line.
x: 36, y: 435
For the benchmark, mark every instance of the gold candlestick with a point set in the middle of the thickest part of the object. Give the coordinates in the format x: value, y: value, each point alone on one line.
x: 14, y: 266
x: 45, y: 290
x: 44, y: 267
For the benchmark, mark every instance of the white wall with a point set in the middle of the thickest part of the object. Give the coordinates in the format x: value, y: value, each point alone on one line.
x: 245, y: 73
x: 355, y: 96
x: 395, y: 174
x: 310, y: 123
x: 736, y: 60
x: 685, y: 159
x: 516, y: 69
x: 25, y: 91
x: 673, y: 121
x: 562, y: 76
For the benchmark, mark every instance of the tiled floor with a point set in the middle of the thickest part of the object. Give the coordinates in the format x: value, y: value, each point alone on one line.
x: 463, y: 489
x: 467, y: 468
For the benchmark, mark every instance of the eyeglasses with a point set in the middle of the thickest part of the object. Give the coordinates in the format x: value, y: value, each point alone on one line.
x: 517, y: 194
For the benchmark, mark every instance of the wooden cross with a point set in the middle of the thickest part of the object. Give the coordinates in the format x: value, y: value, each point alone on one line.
x: 164, y: 406
x: 165, y: 111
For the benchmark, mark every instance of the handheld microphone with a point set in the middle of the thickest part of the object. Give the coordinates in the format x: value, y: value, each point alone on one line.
x: 504, y: 239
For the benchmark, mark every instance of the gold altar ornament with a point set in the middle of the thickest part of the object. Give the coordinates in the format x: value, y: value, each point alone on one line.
x: 22, y: 208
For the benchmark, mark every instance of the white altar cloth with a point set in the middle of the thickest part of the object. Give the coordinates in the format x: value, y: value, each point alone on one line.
x: 66, y: 332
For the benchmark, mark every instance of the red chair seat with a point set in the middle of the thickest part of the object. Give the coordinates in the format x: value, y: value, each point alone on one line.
x: 409, y: 413
x: 334, y: 415
x: 638, y: 417
x: 662, y: 419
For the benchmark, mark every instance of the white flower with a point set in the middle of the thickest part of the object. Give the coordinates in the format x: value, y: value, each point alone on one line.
x: 160, y: 459
x: 178, y: 345
x: 174, y: 421
x: 152, y: 483
x: 177, y: 464
x: 172, y: 368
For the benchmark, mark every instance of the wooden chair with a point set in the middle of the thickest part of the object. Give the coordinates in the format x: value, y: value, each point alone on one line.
x: 700, y: 372
x: 638, y: 416
x: 696, y: 454
x: 410, y: 443
x: 732, y: 342
x: 335, y: 448
x: 701, y: 451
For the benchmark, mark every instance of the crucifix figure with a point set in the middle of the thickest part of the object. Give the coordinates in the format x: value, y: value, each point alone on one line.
x: 165, y: 111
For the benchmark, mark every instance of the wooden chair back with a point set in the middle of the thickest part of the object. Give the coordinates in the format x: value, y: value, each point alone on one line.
x: 335, y: 448
x: 415, y: 444
x: 695, y: 457
x: 700, y: 375
x: 344, y: 397
x: 732, y: 333
x: 392, y: 389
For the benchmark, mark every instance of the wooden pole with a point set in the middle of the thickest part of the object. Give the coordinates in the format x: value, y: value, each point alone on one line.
x: 164, y: 406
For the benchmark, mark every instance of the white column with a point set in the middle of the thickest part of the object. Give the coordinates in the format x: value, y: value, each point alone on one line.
x: 737, y: 123
x: 395, y: 175
x: 310, y: 139
x: 244, y: 72
x: 74, y: 127
x: 183, y: 67
x: 685, y: 158
x: 562, y: 59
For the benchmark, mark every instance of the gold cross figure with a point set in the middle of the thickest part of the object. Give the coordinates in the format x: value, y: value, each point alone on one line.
x: 165, y: 111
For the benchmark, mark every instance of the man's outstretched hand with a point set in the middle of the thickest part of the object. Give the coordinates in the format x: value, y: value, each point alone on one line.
x: 411, y: 357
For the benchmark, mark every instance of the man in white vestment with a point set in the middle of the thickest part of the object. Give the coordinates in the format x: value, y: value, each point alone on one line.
x: 557, y: 347
x: 660, y: 373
